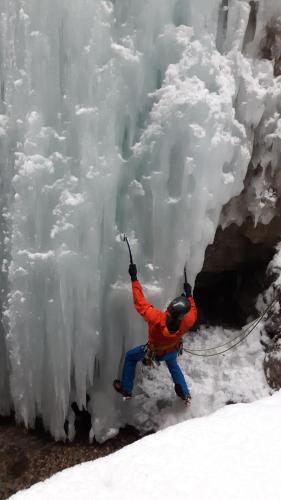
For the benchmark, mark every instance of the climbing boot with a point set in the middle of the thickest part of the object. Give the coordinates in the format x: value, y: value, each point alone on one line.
x: 187, y: 400
x: 185, y: 397
x: 118, y: 387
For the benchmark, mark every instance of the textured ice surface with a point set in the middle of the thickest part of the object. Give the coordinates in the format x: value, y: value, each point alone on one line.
x: 136, y: 117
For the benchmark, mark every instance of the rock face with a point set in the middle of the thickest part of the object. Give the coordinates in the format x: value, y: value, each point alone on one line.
x: 241, y: 245
x: 272, y: 326
x: 271, y: 44
x: 234, y: 271
x: 272, y: 366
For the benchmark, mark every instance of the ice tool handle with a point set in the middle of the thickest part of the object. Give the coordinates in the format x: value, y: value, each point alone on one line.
x: 185, y: 279
x: 129, y: 248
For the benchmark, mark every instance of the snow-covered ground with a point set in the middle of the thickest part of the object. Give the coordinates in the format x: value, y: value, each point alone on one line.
x: 233, y: 454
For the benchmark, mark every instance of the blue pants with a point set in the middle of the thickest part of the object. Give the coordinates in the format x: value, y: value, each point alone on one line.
x: 137, y: 354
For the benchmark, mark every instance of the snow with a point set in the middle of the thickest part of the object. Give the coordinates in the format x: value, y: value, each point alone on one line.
x: 123, y: 117
x: 234, y: 453
x: 214, y: 381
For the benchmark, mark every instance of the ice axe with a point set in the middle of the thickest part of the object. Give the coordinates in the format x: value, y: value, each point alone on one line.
x: 185, y: 276
x: 125, y: 239
x: 186, y: 286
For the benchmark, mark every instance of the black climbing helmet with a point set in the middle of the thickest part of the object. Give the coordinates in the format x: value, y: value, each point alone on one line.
x: 179, y: 306
x: 177, y: 310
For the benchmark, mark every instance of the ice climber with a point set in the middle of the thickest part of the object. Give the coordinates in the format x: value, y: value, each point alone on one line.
x: 165, y: 332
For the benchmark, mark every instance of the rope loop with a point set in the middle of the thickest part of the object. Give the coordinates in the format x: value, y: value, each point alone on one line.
x: 240, y: 338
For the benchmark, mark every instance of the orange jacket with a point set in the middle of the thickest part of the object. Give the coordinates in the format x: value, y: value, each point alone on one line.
x: 159, y: 337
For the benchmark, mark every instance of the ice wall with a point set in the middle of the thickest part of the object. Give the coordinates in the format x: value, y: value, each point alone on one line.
x: 129, y: 116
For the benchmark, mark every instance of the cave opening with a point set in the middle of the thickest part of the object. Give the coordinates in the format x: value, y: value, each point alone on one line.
x: 234, y: 274
x: 227, y: 298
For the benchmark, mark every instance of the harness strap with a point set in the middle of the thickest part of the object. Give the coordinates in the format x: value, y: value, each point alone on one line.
x: 152, y: 353
x: 165, y: 348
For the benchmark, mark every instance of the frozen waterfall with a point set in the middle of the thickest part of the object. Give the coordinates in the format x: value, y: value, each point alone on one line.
x: 116, y: 116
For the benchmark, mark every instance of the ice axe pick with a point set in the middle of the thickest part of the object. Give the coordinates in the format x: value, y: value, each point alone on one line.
x: 125, y: 239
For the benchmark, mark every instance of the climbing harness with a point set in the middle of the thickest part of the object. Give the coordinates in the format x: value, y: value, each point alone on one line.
x: 153, y: 353
x: 150, y: 357
x: 180, y: 353
x: 239, y: 338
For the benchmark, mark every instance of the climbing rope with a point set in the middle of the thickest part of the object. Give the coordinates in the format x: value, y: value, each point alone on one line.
x: 253, y: 324
x: 241, y: 337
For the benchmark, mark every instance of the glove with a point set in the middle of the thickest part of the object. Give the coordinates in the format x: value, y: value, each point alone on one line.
x: 187, y: 289
x: 133, y: 272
